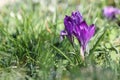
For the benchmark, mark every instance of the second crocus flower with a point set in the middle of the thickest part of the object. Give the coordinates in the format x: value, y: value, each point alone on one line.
x: 110, y: 12
x: 84, y: 33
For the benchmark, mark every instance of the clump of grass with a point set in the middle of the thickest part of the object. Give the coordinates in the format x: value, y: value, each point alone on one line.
x: 30, y: 47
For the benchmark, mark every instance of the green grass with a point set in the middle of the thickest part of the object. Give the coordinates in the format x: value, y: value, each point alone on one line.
x: 30, y: 46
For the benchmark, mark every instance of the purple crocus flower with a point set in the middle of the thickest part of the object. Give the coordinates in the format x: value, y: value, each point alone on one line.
x: 70, y: 22
x: 83, y: 33
x: 110, y: 12
x: 75, y: 26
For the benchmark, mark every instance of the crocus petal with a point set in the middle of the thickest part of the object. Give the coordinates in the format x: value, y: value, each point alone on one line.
x: 83, y: 32
x: 110, y: 12
x: 77, y: 17
x: 63, y: 33
x: 91, y: 30
x: 69, y: 24
x: 78, y: 28
x: 118, y: 11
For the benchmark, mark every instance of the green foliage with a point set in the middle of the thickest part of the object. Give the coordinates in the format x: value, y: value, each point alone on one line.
x: 30, y: 47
